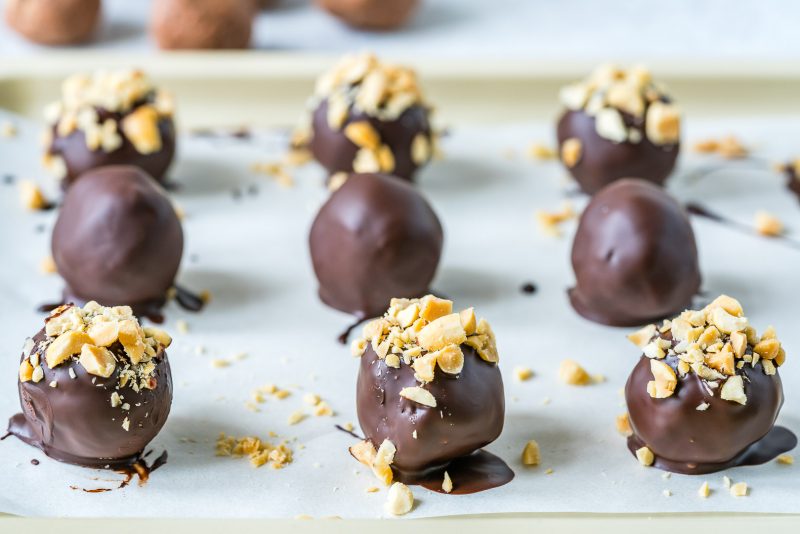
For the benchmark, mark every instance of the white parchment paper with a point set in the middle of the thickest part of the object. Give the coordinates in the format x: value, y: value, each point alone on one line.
x: 252, y: 255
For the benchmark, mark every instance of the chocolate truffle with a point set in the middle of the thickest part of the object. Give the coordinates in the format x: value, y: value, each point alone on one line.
x: 429, y: 394
x: 634, y: 256
x: 369, y: 116
x: 54, y: 22
x: 109, y: 118
x: 618, y: 124
x: 706, y: 392
x: 117, y: 239
x: 95, y: 387
x: 203, y: 24
x: 375, y: 237
x: 371, y: 14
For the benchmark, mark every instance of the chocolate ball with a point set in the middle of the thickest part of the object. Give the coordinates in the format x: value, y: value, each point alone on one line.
x: 375, y: 238
x: 110, y: 118
x: 618, y: 124
x: 694, y: 408
x: 439, y: 401
x: 202, y: 24
x: 371, y: 14
x: 95, y: 388
x: 54, y: 22
x: 117, y: 239
x: 369, y: 116
x: 634, y: 256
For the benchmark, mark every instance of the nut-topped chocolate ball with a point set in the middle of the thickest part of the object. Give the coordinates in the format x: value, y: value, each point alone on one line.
x: 618, y: 124
x: 429, y: 395
x: 706, y: 393
x: 371, y: 14
x: 376, y: 237
x: 109, y: 118
x: 54, y: 22
x: 95, y: 387
x: 117, y: 240
x: 369, y: 116
x: 203, y: 24
x: 634, y: 256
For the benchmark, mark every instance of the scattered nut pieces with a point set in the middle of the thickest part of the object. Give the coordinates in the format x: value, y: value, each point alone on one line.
x: 296, y: 417
x: 523, y: 374
x: 570, y: 372
x: 48, y: 265
x: 31, y: 197
x: 530, y: 454
x: 785, y: 459
x: 447, y: 483
x: 739, y: 489
x: 259, y: 452
x: 728, y: 147
x: 399, y: 500
x: 8, y: 129
x: 542, y: 152
x: 704, y: 490
x: 768, y: 225
x: 549, y: 222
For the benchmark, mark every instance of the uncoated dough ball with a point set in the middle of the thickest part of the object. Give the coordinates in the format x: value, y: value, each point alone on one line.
x: 371, y: 14
x: 53, y: 22
x: 202, y: 24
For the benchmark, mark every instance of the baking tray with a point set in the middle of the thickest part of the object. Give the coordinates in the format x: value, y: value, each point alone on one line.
x: 234, y: 95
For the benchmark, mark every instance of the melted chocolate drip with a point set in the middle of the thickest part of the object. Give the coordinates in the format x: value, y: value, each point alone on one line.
x: 34, y: 462
x: 701, y: 211
x: 346, y: 334
x: 479, y: 471
x: 49, y: 306
x: 778, y: 441
x: 792, y: 179
x: 349, y: 432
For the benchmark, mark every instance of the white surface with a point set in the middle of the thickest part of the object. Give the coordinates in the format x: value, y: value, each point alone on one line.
x: 253, y: 256
x: 588, y: 30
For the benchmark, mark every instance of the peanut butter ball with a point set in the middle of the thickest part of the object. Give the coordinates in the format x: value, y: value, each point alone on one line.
x: 202, y: 24
x: 54, y: 22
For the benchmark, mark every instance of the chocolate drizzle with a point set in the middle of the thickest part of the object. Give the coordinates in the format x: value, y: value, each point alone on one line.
x: 699, y: 210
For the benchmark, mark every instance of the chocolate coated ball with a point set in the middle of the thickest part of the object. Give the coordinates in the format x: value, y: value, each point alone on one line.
x: 374, y: 239
x: 634, y: 256
x: 117, y: 239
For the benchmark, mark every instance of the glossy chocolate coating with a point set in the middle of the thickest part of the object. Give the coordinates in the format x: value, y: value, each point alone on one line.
x: 53, y: 22
x: 695, y: 441
x: 374, y: 239
x: 117, y: 239
x: 75, y: 422
x: 203, y: 24
x: 371, y: 14
x: 634, y: 256
x: 468, y: 415
x: 334, y: 151
x: 603, y: 161
x: 79, y: 159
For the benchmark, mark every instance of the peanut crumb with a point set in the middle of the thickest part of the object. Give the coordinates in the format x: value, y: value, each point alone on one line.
x: 31, y: 196
x: 549, y: 222
x: 704, y: 490
x: 523, y: 374
x: 447, y: 483
x: 531, y: 454
x: 624, y: 425
x: 785, y: 459
x: 570, y: 372
x: 768, y: 225
x: 541, y: 152
x: 739, y: 489
x: 47, y: 265
x: 399, y: 500
x: 645, y: 456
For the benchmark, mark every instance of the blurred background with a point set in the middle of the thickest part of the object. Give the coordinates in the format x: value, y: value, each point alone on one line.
x: 714, y: 54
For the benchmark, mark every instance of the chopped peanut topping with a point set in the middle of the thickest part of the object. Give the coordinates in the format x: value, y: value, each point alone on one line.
x: 571, y: 151
x: 381, y: 464
x: 31, y: 197
x: 768, y: 225
x: 447, y: 483
x: 716, y: 343
x: 523, y: 374
x: 645, y: 456
x: 570, y: 372
x: 739, y: 489
x: 98, y: 361
x: 419, y: 395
